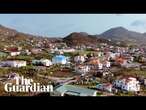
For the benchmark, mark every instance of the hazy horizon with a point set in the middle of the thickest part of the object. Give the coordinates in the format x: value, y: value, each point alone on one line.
x: 60, y: 25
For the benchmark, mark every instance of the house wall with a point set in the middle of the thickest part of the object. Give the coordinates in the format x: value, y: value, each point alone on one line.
x: 18, y: 64
x: 84, y: 69
x: 43, y: 62
x: 14, y: 53
x: 108, y: 64
x: 14, y: 63
x: 129, y: 86
x: 79, y: 59
x: 100, y: 66
x: 47, y: 63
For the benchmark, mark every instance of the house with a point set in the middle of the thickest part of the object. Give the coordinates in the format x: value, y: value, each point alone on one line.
x: 14, y: 53
x: 72, y: 90
x: 12, y: 76
x: 100, y: 65
x: 54, y: 50
x: 127, y: 84
x: 143, y: 67
x: 102, y: 73
x: 26, y: 52
x: 131, y: 65
x: 129, y: 58
x: 105, y: 73
x: 107, y: 64
x: 100, y: 54
x: 120, y: 61
x: 68, y: 50
x: 143, y: 59
x: 113, y: 55
x: 11, y: 48
x: 144, y: 82
x: 59, y: 59
x: 46, y: 62
x: 14, y: 63
x: 96, y: 63
x: 82, y: 69
x: 42, y: 62
x: 79, y: 59
x: 36, y: 50
x: 104, y: 87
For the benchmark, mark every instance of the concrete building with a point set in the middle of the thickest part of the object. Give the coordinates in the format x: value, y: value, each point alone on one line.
x: 127, y: 84
x: 14, y: 63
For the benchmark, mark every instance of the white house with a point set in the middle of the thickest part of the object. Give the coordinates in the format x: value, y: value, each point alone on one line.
x: 27, y: 52
x: 131, y: 65
x: 113, y: 55
x: 44, y: 62
x: 128, y: 84
x: 100, y: 66
x: 100, y: 54
x: 13, y: 76
x: 36, y: 50
x: 107, y: 64
x: 144, y: 82
x: 15, y: 53
x: 14, y: 63
x: 9, y: 78
x: 79, y: 59
x: 96, y: 63
x: 68, y: 50
x: 105, y: 73
x: 82, y: 69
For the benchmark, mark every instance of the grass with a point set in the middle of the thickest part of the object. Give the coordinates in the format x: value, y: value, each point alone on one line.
x: 4, y: 71
x: 24, y: 57
x: 134, y: 72
x: 82, y: 52
x: 124, y: 94
x: 98, y: 94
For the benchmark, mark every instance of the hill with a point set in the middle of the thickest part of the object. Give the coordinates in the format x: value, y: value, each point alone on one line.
x: 125, y: 35
x: 11, y: 37
x: 82, y: 38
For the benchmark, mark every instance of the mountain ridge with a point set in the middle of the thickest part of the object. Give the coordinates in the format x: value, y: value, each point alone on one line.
x: 115, y: 34
x: 123, y: 34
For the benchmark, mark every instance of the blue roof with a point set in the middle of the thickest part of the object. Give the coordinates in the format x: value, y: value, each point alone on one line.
x: 60, y: 57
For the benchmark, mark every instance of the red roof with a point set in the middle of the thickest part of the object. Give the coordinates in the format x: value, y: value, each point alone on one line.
x: 127, y: 78
x: 13, y: 49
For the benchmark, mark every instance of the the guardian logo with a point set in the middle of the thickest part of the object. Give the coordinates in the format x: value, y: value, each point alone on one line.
x: 27, y: 85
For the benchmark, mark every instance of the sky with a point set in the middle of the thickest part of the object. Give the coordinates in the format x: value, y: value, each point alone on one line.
x: 60, y: 25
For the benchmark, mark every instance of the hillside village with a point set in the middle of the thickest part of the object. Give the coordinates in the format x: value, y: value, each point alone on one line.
x: 102, y: 69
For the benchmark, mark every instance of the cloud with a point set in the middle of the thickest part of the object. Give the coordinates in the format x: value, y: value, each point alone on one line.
x: 139, y: 23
